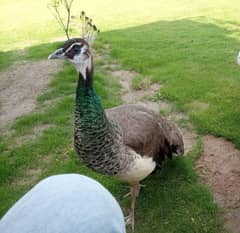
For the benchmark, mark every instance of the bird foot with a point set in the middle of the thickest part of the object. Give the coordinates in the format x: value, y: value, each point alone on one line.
x: 130, y: 220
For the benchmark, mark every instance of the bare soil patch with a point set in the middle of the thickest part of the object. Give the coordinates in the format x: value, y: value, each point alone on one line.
x: 20, y: 86
x: 219, y: 167
x: 37, y: 132
x: 31, y: 176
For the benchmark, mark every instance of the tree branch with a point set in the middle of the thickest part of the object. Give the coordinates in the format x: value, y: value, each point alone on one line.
x: 55, y: 10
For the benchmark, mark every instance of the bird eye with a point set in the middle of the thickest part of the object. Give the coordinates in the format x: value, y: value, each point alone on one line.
x: 77, y: 49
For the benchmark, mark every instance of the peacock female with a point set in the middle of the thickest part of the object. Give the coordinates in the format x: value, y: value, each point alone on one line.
x: 127, y: 142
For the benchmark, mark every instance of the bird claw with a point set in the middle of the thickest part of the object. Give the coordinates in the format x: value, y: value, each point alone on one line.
x: 129, y: 220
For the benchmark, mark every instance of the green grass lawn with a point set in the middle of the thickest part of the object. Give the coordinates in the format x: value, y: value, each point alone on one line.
x: 189, y: 46
x: 196, y: 61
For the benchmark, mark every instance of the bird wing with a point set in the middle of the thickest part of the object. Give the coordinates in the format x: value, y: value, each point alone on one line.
x: 144, y: 130
x: 140, y: 128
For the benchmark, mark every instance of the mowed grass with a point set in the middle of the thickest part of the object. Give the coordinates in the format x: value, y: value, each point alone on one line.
x: 189, y: 46
x: 196, y: 61
x: 172, y: 201
x: 34, y: 24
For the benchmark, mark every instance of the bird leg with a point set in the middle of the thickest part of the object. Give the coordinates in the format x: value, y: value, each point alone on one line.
x: 130, y: 193
x: 134, y: 190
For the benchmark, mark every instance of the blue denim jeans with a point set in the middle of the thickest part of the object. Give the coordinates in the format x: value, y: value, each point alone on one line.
x: 68, y: 203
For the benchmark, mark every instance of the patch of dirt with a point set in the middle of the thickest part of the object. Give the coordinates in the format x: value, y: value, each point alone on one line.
x: 125, y: 78
x: 31, y: 176
x: 219, y: 167
x: 20, y: 86
x: 197, y: 106
x: 47, y: 159
x: 189, y: 139
x: 37, y: 131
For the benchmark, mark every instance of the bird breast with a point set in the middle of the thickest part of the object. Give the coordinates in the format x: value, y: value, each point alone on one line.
x: 140, y: 168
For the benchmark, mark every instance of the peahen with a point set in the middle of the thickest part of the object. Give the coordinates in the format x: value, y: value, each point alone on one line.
x: 127, y: 142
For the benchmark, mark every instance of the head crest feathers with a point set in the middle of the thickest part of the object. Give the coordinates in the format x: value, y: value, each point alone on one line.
x: 89, y: 30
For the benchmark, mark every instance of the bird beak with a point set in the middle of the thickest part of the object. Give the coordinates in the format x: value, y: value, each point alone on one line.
x: 58, y: 54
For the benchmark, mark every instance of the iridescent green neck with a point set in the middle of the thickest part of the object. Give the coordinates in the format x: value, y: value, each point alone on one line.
x: 97, y: 140
x: 89, y: 110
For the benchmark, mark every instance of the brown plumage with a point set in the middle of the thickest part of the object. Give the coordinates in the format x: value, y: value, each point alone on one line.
x: 146, y: 132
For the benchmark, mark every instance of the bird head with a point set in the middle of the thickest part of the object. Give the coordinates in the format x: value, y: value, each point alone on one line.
x: 177, y: 143
x: 78, y: 52
x: 174, y: 139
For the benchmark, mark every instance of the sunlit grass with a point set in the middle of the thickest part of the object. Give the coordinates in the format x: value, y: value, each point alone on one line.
x: 26, y: 22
